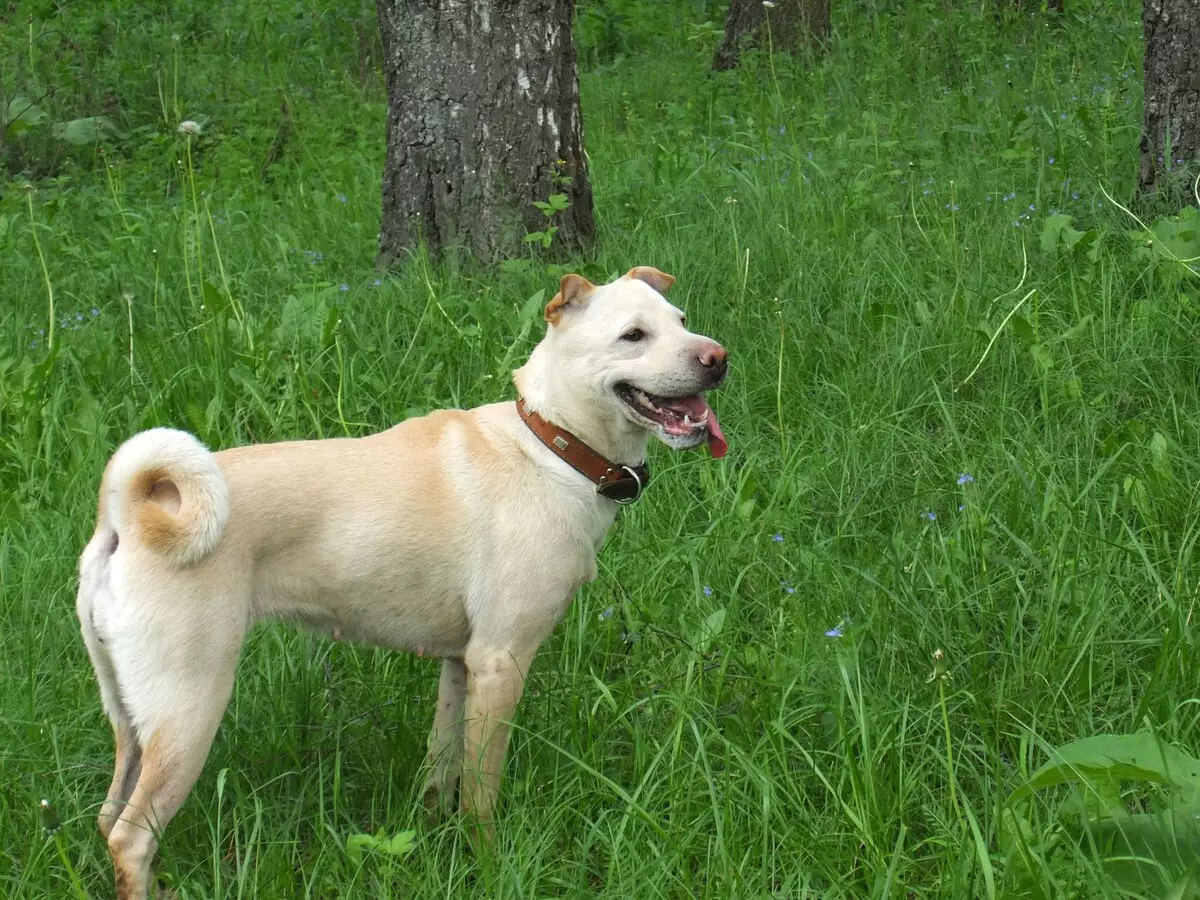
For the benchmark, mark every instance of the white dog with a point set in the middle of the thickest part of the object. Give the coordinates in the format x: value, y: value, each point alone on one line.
x: 461, y: 534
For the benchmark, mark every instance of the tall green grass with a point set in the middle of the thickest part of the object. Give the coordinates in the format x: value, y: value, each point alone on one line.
x: 745, y: 703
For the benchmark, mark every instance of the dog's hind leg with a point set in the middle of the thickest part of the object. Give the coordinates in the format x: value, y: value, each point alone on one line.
x: 172, y: 758
x: 176, y: 673
x: 93, y: 588
x: 446, y: 739
x: 128, y: 761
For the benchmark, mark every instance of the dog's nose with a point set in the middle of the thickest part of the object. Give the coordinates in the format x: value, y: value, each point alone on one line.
x: 714, y: 360
x: 713, y: 355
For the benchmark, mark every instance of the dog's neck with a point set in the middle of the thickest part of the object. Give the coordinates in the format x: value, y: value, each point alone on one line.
x: 611, y: 435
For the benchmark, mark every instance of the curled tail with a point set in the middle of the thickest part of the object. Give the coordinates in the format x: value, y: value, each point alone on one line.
x: 164, y: 490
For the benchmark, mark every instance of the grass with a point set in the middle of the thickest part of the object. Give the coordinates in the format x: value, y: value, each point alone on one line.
x: 745, y: 703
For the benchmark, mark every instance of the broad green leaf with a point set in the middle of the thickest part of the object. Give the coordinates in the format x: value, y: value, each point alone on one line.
x: 1023, y: 330
x: 1135, y: 757
x: 709, y: 630
x: 399, y: 845
x: 532, y: 307
x: 89, y: 130
x: 1052, y: 228
x: 21, y: 109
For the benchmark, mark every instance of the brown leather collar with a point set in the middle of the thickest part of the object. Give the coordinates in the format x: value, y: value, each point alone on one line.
x: 623, y: 484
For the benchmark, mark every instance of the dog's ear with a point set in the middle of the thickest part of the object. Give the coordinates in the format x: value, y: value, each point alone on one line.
x: 573, y: 291
x: 660, y: 281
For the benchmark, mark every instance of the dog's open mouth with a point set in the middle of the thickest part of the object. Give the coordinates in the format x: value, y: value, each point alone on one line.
x: 684, y: 418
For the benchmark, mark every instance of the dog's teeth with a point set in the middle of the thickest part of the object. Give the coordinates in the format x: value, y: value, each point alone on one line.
x: 641, y: 397
x: 703, y: 417
x: 687, y: 422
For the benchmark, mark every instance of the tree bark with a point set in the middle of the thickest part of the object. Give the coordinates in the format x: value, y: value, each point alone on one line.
x: 483, y: 121
x: 787, y: 25
x: 1171, y: 111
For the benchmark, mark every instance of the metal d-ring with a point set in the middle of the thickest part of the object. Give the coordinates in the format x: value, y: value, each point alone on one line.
x: 637, y: 494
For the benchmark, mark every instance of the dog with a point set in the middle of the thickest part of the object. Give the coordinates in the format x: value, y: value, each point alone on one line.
x: 460, y: 534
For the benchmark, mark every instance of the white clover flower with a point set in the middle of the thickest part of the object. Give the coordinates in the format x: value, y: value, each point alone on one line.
x: 767, y: 4
x: 188, y: 127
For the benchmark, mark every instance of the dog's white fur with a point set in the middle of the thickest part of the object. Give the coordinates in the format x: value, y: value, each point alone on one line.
x: 457, y: 534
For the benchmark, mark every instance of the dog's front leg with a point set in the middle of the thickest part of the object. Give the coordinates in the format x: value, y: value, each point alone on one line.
x: 495, y: 681
x: 446, y: 739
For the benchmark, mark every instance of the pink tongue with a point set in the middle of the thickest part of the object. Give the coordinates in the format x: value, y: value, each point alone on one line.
x: 696, y: 407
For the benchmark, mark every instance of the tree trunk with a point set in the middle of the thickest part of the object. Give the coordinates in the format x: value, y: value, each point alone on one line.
x: 787, y: 25
x: 1171, y: 114
x: 483, y: 121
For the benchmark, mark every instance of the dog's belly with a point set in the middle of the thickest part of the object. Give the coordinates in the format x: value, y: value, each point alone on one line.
x: 403, y: 608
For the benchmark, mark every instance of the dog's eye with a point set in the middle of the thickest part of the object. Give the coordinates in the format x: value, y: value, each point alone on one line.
x: 633, y: 335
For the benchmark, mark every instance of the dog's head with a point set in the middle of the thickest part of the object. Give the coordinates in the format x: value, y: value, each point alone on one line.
x: 625, y: 356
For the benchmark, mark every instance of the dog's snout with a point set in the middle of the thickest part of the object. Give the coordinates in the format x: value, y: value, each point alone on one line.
x: 713, y: 355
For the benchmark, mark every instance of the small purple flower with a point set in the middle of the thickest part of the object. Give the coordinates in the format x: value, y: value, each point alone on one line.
x: 606, y: 615
x: 808, y: 155
x: 777, y: 538
x: 1051, y: 160
x: 966, y: 478
x: 1011, y: 196
x: 94, y: 311
x: 707, y: 591
x: 377, y: 282
x: 1032, y: 208
x: 961, y: 507
x: 930, y: 515
x: 953, y: 207
x: 840, y: 628
x: 787, y: 587
x: 343, y: 287
x: 341, y: 198
x: 78, y: 317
